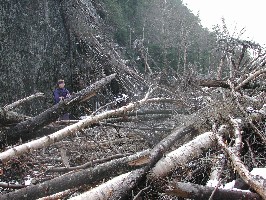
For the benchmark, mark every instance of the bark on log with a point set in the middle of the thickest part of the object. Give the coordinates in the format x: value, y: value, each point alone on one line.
x: 183, y: 155
x: 138, y: 118
x: 24, y: 130
x: 59, y: 195
x: 251, y: 77
x: 199, y: 192
x: 8, y: 118
x: 112, y: 188
x: 224, y: 84
x: 218, y: 164
x: 75, y: 179
x: 86, y: 165
x: 138, y: 128
x: 213, y: 83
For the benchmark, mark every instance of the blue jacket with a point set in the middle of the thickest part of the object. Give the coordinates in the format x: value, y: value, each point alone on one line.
x: 60, y: 92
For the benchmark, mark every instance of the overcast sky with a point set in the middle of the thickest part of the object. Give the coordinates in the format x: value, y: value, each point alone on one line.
x: 247, y: 14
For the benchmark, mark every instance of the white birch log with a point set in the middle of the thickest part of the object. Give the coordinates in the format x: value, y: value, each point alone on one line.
x: 21, y: 101
x: 105, y: 190
x: 250, y: 77
x: 183, y: 154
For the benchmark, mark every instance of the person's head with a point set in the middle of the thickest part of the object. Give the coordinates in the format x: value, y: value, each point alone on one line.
x: 61, y: 83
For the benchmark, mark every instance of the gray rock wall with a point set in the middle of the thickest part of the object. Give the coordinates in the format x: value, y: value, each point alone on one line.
x: 34, y: 47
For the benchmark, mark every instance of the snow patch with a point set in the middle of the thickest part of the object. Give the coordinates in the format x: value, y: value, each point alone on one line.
x: 212, y: 183
x: 259, y: 172
x: 28, y: 180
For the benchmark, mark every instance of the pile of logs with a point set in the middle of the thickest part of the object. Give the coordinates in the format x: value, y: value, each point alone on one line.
x: 146, y: 149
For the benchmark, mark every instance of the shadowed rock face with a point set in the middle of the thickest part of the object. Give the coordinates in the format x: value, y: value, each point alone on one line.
x: 37, y: 47
x: 34, y: 47
x: 45, y: 40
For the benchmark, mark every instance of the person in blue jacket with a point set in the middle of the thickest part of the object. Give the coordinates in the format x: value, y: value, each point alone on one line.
x: 61, y: 93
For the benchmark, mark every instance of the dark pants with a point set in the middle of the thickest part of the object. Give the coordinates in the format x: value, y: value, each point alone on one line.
x: 64, y: 117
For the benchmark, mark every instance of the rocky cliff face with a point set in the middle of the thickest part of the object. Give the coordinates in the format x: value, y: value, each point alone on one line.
x: 34, y: 47
x: 44, y: 40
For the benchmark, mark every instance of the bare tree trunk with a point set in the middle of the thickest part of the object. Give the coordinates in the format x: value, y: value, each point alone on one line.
x: 220, y: 68
x: 8, y: 118
x: 199, y: 192
x: 183, y: 155
x: 106, y: 190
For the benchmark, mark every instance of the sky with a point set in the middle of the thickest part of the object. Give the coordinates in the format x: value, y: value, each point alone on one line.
x: 238, y: 14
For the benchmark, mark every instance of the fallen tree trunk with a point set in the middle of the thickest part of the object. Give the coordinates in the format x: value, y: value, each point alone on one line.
x: 105, y: 190
x: 138, y: 128
x: 21, y: 101
x: 183, y: 154
x: 156, y: 154
x: 24, y: 130
x: 112, y: 188
x: 224, y: 84
x: 86, y: 165
x: 8, y: 118
x: 57, y: 136
x: 79, y: 178
x: 250, y: 77
x: 199, y: 192
x: 213, y: 83
x: 59, y: 195
x: 137, y: 118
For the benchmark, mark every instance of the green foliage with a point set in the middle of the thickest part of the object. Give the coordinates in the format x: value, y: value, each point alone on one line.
x: 125, y: 17
x: 168, y: 29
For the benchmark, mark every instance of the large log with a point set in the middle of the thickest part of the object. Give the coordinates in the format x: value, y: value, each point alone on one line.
x: 8, y: 118
x: 25, y: 130
x: 75, y: 179
x: 199, y: 192
x: 107, y: 190
x: 183, y: 155
x: 155, y: 155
